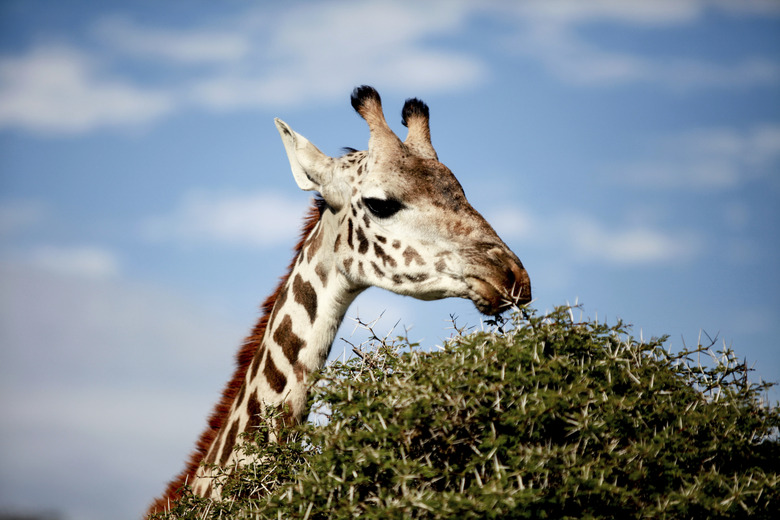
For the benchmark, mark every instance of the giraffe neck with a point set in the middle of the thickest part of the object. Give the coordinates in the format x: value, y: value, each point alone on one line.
x: 298, y: 333
x: 303, y: 323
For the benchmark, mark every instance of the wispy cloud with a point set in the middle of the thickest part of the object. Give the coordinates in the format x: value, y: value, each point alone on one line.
x: 244, y: 220
x: 99, y: 322
x: 81, y: 261
x: 184, y: 46
x: 60, y: 90
x: 266, y: 56
x: 576, y: 61
x: 636, y: 12
x: 316, y: 53
x: 580, y: 238
x: 629, y: 245
x: 705, y: 158
x: 549, y: 32
x: 257, y: 58
x: 78, y: 261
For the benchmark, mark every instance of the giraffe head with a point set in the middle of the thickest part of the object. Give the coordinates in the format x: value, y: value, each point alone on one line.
x: 400, y: 219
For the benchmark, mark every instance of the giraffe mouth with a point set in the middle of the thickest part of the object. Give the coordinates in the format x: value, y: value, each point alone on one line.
x: 495, y: 295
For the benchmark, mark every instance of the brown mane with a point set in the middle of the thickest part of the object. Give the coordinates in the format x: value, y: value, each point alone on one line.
x: 244, y: 358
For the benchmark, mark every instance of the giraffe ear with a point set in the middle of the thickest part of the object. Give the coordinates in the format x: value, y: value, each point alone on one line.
x: 312, y: 169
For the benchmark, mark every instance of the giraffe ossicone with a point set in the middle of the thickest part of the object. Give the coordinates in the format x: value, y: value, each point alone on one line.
x: 391, y: 216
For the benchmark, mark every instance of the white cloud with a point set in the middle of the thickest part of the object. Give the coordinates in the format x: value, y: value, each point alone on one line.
x: 627, y: 246
x: 322, y: 51
x: 248, y: 220
x: 62, y: 90
x: 706, y: 158
x: 257, y: 58
x: 637, y: 12
x: 762, y: 145
x: 265, y: 56
x: 579, y: 237
x: 185, y: 46
x: 547, y: 32
x: 582, y: 63
x: 80, y: 261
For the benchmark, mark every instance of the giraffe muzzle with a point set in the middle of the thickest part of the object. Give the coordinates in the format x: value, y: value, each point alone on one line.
x: 504, y: 285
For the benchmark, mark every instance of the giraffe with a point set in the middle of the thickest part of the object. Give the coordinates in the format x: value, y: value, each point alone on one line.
x: 391, y: 216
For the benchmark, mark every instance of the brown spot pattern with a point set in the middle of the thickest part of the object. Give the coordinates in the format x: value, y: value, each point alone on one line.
x: 212, y: 454
x: 314, y: 244
x: 257, y: 360
x: 289, y: 341
x: 280, y: 303
x: 254, y: 367
x: 306, y: 296
x: 384, y: 257
x: 411, y: 255
x: 275, y: 378
x: 240, y: 396
x: 300, y: 371
x: 322, y: 274
x: 363, y: 241
x: 255, y: 411
x: 230, y: 441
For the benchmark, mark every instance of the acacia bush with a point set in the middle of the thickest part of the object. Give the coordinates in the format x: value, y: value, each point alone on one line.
x: 539, y: 417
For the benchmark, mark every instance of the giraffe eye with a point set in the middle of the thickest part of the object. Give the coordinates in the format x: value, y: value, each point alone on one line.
x: 383, y: 208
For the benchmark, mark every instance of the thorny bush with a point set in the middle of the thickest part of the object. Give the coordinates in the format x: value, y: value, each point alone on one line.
x: 539, y: 417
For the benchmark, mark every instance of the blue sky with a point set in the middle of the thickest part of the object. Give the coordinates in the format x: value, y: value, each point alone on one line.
x: 628, y: 152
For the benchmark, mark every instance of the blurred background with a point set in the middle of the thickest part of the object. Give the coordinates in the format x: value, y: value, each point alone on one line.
x: 627, y: 151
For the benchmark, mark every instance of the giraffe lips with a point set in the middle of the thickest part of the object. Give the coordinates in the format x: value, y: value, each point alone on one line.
x: 495, y: 294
